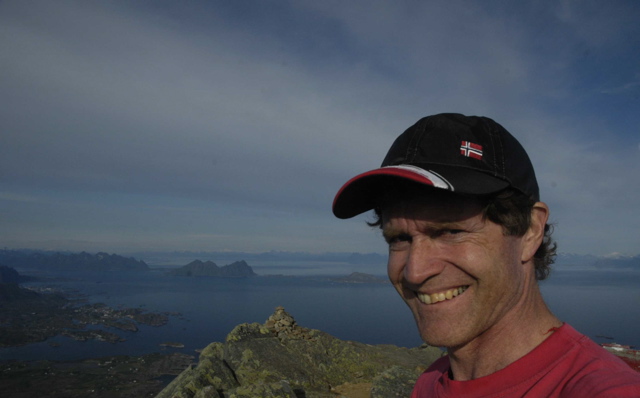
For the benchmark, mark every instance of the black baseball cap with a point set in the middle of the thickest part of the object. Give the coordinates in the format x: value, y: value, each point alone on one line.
x: 470, y: 155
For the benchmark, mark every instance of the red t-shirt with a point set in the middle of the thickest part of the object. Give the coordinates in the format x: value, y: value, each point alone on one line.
x: 567, y: 364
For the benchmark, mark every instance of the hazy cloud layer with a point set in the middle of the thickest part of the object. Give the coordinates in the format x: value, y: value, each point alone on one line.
x: 231, y: 125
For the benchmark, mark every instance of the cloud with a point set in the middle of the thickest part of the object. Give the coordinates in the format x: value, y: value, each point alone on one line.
x: 624, y: 88
x: 8, y: 196
x: 186, y: 115
x: 224, y: 109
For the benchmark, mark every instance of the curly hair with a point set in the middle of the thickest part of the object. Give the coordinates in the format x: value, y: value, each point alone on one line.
x: 510, y: 209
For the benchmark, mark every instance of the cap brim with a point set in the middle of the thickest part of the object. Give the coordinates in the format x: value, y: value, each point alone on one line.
x: 362, y: 192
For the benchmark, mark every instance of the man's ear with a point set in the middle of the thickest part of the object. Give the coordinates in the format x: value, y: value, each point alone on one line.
x: 532, y: 239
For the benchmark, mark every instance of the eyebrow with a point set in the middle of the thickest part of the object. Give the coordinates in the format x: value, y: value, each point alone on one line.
x: 390, y: 233
x: 428, y: 226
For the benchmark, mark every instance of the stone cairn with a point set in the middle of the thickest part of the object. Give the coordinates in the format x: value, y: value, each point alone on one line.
x: 282, y: 324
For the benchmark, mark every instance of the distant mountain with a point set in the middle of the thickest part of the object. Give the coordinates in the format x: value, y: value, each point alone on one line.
x: 10, y: 275
x: 12, y: 293
x: 360, y: 277
x: 70, y: 261
x: 365, y: 259
x: 619, y: 262
x: 613, y: 261
x: 271, y: 256
x: 571, y: 259
x: 209, y: 268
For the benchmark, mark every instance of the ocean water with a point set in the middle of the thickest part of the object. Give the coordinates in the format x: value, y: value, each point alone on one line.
x: 597, y: 303
x: 211, y: 307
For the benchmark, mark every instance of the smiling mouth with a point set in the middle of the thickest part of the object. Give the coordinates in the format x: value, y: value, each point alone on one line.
x: 441, y: 296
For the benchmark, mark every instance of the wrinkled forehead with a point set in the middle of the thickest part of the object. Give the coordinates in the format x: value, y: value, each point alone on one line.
x: 430, y: 205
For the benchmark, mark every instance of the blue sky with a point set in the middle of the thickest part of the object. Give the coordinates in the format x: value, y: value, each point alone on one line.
x: 230, y: 125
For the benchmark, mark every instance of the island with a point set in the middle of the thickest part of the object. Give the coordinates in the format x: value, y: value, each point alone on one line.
x: 238, y: 269
x: 359, y: 277
x: 33, y: 315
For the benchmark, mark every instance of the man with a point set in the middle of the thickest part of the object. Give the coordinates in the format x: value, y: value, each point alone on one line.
x: 458, y: 203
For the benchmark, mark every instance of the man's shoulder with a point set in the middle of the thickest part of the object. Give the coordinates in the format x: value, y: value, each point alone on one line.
x: 596, y: 372
x: 568, y: 364
x: 588, y: 353
x: 431, y: 377
x: 440, y: 365
x: 435, y: 371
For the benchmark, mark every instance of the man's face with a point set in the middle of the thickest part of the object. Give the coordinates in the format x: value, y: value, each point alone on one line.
x: 459, y: 274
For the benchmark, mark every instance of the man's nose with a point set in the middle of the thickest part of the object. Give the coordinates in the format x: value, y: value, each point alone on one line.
x: 423, y: 262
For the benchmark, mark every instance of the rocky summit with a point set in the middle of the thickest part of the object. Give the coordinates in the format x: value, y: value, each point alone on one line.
x: 282, y: 359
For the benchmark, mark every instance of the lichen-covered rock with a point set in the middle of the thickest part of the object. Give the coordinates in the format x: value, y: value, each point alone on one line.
x: 211, y: 376
x: 283, y: 359
x: 213, y: 350
x: 393, y: 382
x: 207, y: 392
x: 264, y: 390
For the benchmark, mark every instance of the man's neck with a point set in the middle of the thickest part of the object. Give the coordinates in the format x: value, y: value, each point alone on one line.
x: 517, y: 334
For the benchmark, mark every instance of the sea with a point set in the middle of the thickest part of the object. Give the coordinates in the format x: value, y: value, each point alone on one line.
x: 603, y: 304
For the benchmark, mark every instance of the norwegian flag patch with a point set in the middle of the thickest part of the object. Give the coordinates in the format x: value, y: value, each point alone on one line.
x: 471, y: 150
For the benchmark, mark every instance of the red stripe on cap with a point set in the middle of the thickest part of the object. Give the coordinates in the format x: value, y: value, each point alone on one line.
x: 388, y: 171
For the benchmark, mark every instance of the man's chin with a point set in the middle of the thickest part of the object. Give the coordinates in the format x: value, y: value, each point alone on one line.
x: 435, y: 342
x: 440, y: 337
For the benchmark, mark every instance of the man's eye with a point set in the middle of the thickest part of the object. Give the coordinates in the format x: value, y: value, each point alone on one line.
x: 448, y: 232
x: 397, y: 239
